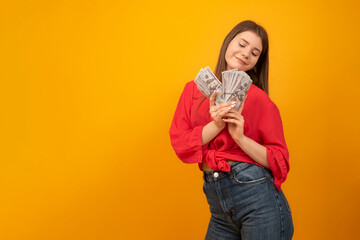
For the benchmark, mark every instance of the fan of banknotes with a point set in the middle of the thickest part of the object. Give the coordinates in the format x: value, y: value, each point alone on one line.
x: 234, y: 87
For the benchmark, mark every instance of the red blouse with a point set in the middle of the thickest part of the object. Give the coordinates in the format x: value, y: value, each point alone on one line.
x: 262, y: 124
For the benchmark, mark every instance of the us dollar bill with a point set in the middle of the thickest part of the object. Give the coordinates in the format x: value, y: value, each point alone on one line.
x: 225, y: 82
x: 234, y: 86
x: 208, y: 83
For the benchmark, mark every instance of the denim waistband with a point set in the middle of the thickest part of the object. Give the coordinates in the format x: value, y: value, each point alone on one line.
x: 216, y: 175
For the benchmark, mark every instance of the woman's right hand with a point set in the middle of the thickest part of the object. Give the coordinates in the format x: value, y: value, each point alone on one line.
x: 217, y: 112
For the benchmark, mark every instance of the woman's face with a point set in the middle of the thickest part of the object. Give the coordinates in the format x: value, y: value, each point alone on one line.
x: 243, y: 51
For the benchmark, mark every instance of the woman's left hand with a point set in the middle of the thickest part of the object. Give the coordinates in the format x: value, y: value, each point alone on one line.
x: 235, y: 123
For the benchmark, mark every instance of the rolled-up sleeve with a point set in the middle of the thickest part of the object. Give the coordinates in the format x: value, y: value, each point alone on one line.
x: 185, y: 139
x: 272, y: 134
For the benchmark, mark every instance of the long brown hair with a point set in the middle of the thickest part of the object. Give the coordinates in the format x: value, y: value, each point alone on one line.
x: 260, y: 72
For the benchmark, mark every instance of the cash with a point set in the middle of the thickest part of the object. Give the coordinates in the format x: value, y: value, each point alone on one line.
x: 234, y: 86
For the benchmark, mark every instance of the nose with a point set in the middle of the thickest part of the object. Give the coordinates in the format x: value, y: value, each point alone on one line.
x: 245, y: 53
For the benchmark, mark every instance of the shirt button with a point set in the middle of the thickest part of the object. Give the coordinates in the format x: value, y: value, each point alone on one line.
x: 216, y: 174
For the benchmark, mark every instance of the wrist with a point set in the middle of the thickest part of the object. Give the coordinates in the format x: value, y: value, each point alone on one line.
x: 220, y: 126
x: 241, y: 141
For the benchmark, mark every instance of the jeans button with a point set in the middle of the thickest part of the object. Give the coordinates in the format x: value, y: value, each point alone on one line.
x: 216, y: 174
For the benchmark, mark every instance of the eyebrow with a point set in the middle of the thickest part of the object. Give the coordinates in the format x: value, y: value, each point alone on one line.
x: 248, y: 43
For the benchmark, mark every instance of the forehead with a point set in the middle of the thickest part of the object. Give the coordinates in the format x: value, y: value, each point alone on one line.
x: 252, y: 38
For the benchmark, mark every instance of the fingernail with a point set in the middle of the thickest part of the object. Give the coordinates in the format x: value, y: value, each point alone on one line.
x: 233, y: 102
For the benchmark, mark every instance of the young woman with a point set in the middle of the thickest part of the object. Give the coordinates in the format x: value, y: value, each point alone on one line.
x: 242, y: 152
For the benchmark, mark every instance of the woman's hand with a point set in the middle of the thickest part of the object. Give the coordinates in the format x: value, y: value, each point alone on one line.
x: 253, y: 149
x: 219, y: 111
x: 236, y: 123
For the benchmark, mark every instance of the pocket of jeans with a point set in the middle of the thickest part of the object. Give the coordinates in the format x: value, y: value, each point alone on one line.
x: 251, y: 174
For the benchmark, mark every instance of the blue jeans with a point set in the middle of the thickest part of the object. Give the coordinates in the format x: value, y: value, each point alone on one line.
x: 245, y: 204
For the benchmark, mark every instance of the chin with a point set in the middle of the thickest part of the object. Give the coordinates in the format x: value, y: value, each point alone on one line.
x: 234, y: 66
x: 240, y: 68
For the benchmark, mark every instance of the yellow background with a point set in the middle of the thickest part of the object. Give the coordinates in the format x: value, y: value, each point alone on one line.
x: 88, y: 90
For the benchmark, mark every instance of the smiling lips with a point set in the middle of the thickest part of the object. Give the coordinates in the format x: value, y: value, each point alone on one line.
x: 241, y: 61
